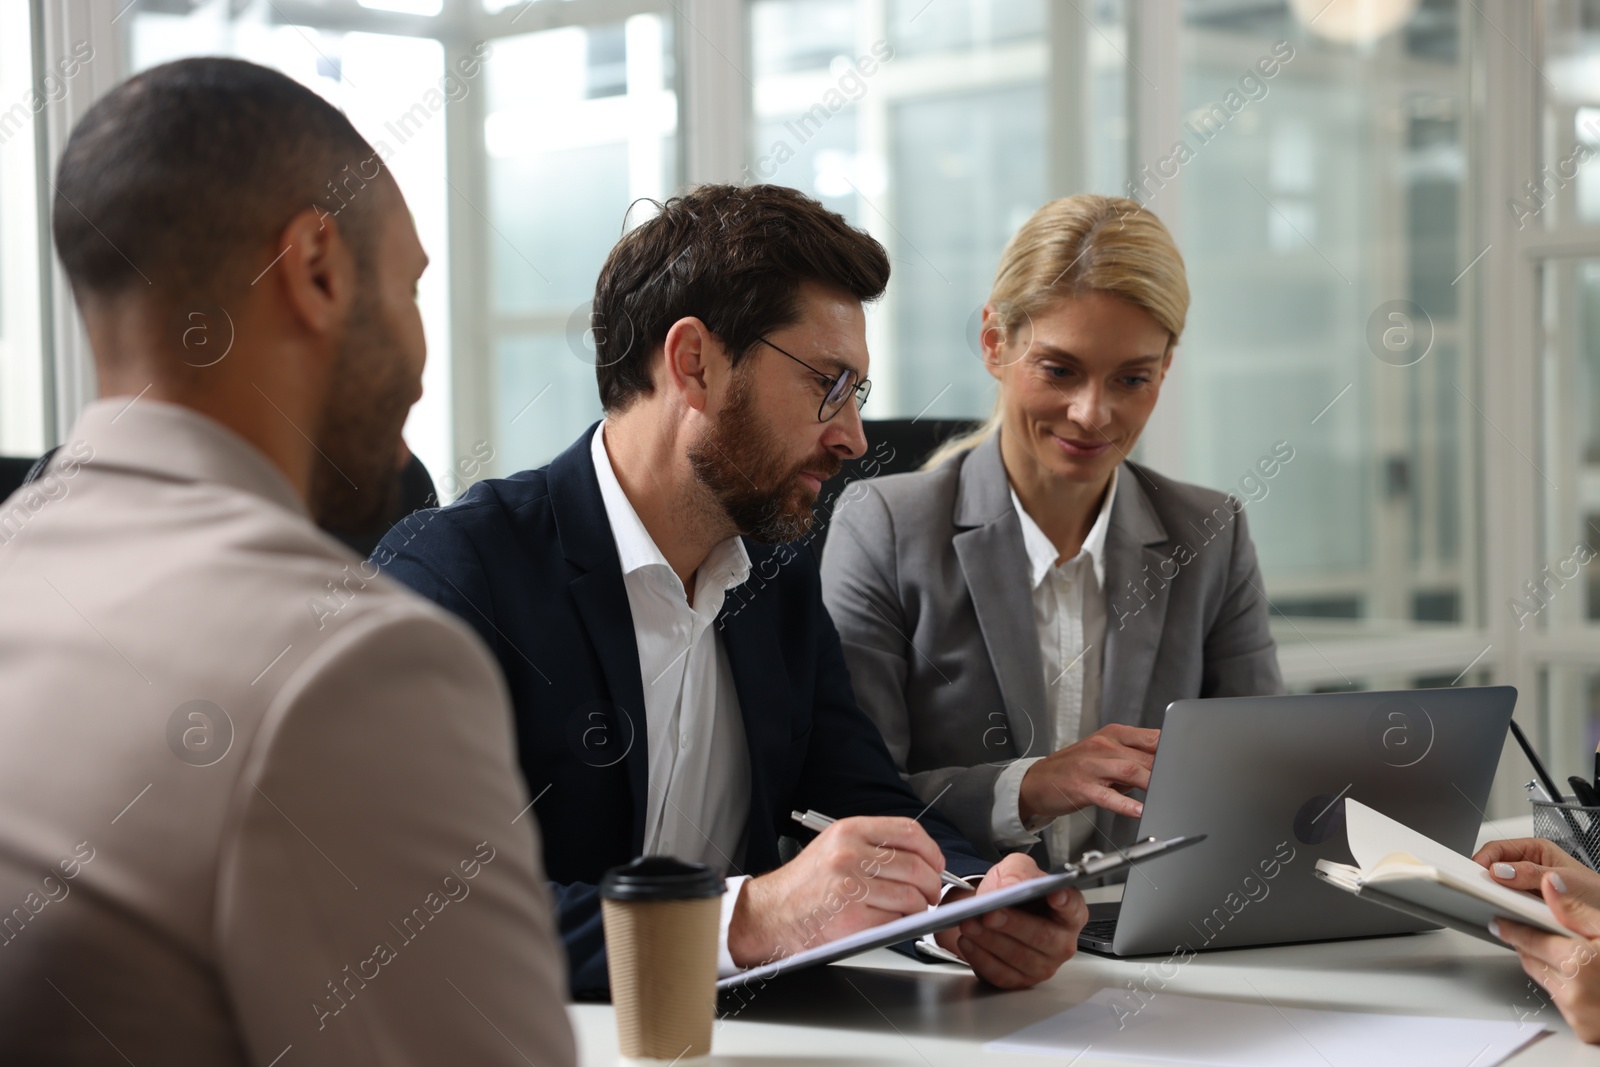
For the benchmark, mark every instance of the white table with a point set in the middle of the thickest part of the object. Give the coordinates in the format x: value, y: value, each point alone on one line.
x: 882, y: 1008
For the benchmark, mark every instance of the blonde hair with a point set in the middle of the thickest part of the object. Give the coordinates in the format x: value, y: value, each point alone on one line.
x: 1083, y: 244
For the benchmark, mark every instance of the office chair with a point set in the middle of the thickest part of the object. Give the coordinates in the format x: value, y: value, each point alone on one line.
x: 14, y: 473
x: 894, y: 446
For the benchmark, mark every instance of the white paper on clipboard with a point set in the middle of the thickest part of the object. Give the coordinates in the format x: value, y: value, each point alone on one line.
x: 948, y: 915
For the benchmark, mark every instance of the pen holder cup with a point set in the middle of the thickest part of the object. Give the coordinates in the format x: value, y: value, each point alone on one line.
x: 1572, y: 826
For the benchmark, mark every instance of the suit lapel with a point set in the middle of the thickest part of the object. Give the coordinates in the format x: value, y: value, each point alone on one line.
x: 993, y: 561
x: 1136, y: 600
x: 601, y: 600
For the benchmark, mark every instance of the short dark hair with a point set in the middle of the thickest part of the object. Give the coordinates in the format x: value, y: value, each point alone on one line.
x: 179, y: 178
x: 732, y: 256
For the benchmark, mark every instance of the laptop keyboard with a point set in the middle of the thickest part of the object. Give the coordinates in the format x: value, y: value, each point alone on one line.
x: 1102, y: 924
x: 1099, y: 929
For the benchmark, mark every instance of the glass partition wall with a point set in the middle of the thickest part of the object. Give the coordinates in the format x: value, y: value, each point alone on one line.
x: 1328, y: 242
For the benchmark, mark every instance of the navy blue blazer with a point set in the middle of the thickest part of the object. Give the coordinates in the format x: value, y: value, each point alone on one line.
x: 529, y: 561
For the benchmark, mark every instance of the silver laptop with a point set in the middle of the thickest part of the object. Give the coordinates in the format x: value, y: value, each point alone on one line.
x: 1265, y: 778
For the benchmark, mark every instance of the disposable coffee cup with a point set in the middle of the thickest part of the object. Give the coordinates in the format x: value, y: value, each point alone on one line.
x: 661, y: 917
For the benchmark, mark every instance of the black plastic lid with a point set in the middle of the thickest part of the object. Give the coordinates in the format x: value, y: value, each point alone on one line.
x: 654, y: 878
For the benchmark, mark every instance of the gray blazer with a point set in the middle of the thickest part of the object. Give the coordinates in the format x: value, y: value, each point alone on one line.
x: 926, y: 577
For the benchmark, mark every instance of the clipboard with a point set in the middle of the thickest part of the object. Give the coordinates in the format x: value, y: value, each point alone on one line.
x: 1090, y: 865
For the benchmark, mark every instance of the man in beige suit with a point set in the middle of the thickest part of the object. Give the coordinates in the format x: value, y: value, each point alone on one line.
x: 257, y: 804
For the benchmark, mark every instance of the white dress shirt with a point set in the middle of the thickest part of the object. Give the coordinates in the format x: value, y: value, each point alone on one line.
x: 1069, y: 611
x: 699, y: 774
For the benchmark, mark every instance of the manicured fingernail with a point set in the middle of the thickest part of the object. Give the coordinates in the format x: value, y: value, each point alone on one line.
x: 1494, y: 928
x: 1557, y: 882
x: 1504, y: 870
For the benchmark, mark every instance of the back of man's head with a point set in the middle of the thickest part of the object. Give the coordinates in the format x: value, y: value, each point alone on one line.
x: 187, y: 185
x: 179, y: 181
x: 733, y: 256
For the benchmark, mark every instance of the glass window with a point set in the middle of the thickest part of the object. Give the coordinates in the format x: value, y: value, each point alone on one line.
x: 928, y: 125
x: 22, y: 380
x: 1106, y: 35
x: 973, y: 170
x: 580, y: 123
x: 921, y: 28
x: 1321, y: 223
x: 406, y: 7
x: 1566, y: 186
x: 1566, y: 591
x: 791, y: 36
x: 1570, y: 706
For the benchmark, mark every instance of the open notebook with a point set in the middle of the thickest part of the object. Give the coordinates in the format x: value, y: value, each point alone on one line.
x: 1401, y: 869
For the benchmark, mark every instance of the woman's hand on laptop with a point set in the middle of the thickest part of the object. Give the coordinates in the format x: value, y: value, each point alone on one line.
x: 1094, y: 773
x: 1569, y: 970
x: 1015, y: 948
x: 1520, y: 863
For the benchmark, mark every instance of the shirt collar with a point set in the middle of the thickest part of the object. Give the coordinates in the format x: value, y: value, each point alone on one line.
x: 176, y: 442
x: 727, y: 565
x: 1042, y: 553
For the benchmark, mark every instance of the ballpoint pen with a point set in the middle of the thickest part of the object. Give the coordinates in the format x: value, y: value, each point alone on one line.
x: 812, y: 820
x: 1548, y: 782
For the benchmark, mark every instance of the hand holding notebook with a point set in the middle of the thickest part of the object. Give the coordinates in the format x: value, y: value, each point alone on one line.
x: 1557, y: 962
x: 1404, y: 870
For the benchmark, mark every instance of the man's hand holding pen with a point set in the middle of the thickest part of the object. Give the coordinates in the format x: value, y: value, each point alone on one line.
x: 862, y: 872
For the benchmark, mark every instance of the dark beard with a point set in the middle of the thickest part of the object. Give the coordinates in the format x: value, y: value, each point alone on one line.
x: 354, y: 480
x: 760, y: 493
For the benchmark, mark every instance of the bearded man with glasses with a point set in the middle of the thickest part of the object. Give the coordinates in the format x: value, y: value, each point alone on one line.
x: 652, y: 716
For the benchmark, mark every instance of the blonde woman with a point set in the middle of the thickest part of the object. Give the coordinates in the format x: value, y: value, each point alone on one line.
x: 1018, y: 615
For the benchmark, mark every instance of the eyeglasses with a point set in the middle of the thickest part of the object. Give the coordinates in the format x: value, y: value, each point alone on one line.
x: 840, y: 388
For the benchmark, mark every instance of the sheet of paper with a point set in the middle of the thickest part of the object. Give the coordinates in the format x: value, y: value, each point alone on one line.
x: 1168, y: 1028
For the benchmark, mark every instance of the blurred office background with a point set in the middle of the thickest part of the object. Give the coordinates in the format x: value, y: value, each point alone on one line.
x: 1393, y: 242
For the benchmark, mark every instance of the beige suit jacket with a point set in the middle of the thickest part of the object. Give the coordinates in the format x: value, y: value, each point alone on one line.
x: 258, y: 805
